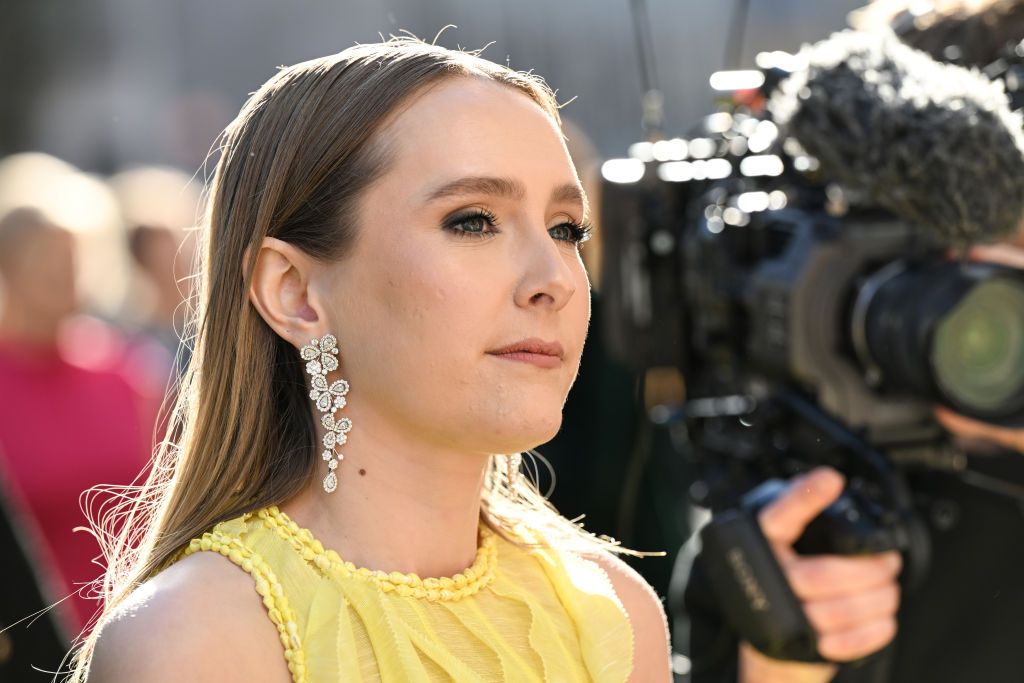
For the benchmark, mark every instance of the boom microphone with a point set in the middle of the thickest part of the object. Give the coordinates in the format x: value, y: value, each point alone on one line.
x: 936, y: 144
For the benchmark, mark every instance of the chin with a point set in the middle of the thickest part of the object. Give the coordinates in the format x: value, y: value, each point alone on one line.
x: 518, y: 435
x: 532, y: 435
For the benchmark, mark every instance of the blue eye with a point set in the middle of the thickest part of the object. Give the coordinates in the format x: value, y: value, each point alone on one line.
x: 478, y: 223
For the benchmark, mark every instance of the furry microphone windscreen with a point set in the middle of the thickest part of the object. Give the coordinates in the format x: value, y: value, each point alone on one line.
x: 933, y: 143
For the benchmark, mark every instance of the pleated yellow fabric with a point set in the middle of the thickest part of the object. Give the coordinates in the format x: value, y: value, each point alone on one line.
x: 516, y: 615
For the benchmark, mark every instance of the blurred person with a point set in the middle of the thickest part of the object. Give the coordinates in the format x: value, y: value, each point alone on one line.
x: 158, y: 206
x: 63, y: 427
x: 163, y: 255
x: 84, y: 205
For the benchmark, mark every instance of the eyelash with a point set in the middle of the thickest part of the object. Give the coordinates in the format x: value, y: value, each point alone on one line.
x: 578, y: 232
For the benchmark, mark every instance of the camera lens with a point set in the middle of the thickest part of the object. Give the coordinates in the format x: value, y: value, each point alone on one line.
x: 978, y: 349
x: 952, y: 333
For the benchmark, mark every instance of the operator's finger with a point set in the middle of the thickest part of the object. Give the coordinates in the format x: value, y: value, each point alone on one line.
x: 823, y: 577
x: 844, y: 613
x: 973, y: 429
x: 784, y: 520
x: 857, y: 642
x: 1003, y: 254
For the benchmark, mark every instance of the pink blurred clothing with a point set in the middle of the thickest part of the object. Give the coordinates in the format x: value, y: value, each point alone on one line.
x: 63, y: 429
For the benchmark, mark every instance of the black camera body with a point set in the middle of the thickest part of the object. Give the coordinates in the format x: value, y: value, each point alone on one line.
x: 845, y: 305
x: 813, y: 324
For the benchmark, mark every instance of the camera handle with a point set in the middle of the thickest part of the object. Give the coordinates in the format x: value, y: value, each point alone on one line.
x: 750, y: 585
x: 746, y: 577
x: 752, y: 589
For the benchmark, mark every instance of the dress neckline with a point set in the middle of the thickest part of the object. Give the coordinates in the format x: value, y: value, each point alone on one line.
x: 467, y: 582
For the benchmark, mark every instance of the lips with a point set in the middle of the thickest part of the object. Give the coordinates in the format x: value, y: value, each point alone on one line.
x: 536, y: 352
x: 531, y: 346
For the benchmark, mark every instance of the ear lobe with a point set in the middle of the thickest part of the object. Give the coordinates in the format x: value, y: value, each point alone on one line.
x: 279, y: 291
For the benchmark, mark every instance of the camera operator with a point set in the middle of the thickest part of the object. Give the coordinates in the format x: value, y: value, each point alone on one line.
x: 962, y: 621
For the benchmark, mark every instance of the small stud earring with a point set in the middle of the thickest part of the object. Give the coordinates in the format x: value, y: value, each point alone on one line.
x: 321, y: 356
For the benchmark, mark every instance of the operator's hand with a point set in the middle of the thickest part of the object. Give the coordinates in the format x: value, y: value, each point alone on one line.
x: 1007, y: 255
x: 850, y: 601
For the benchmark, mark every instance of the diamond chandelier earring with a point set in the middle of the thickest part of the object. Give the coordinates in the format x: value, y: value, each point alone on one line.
x: 322, y: 357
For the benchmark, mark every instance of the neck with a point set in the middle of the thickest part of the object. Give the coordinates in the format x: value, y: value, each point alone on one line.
x: 401, y: 504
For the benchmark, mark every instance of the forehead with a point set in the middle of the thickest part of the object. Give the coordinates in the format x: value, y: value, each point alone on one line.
x: 469, y: 124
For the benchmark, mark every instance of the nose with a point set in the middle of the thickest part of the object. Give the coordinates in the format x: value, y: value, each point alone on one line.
x: 547, y: 277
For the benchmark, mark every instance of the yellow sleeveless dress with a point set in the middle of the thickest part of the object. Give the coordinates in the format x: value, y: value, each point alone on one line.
x: 516, y: 615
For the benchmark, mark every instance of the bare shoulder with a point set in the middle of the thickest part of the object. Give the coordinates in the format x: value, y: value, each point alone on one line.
x: 197, y: 620
x: 646, y: 615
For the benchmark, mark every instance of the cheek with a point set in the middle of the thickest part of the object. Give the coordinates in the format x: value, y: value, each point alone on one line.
x: 424, y: 319
x: 435, y: 302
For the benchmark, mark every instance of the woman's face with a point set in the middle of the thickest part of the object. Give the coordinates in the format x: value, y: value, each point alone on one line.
x: 465, y: 245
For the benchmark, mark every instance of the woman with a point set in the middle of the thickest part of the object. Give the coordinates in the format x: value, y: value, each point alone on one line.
x: 403, y: 219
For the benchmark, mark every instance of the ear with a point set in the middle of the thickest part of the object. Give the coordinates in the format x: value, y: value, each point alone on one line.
x: 280, y: 291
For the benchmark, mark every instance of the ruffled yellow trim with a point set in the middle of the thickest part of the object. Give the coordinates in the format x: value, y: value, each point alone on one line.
x: 269, y: 588
x: 463, y: 584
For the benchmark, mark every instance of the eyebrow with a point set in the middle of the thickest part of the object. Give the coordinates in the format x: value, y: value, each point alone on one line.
x: 506, y: 188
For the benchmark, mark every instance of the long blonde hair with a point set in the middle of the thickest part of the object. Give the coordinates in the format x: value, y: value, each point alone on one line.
x: 241, y: 434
